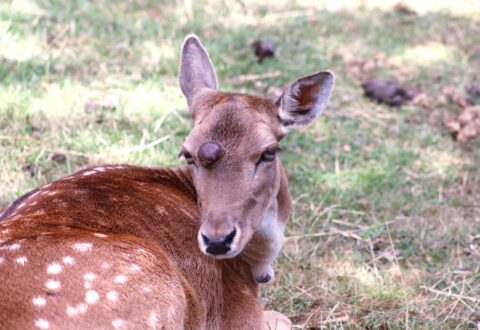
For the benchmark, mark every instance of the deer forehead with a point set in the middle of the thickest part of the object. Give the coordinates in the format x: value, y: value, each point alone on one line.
x: 240, y: 129
x: 242, y: 108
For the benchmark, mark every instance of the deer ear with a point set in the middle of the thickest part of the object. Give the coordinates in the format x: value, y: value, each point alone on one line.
x: 196, y: 69
x: 305, y: 99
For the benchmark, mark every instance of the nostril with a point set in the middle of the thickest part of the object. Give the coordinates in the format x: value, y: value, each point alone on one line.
x: 229, y: 238
x: 205, y: 239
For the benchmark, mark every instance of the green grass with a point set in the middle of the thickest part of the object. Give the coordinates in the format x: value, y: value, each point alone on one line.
x: 386, y: 224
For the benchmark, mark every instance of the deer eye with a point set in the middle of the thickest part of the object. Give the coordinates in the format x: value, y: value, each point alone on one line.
x: 188, y: 157
x: 269, y: 155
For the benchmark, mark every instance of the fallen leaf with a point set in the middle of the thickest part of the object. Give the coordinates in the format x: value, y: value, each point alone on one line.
x: 473, y: 91
x: 466, y: 125
x: 456, y: 96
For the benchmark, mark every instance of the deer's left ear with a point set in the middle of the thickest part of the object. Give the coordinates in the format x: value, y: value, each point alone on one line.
x: 305, y: 99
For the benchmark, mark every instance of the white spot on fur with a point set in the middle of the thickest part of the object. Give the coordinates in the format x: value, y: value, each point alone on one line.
x: 21, y: 260
x: 88, y: 285
x: 89, y: 276
x: 100, y: 169
x: 118, y: 323
x: 21, y: 205
x: 135, y: 268
x: 39, y: 301
x: 152, y: 320
x: 91, y: 297
x: 52, y: 284
x: 75, y: 310
x: 71, y: 311
x: 88, y: 173
x: 12, y: 247
x: 99, y: 235
x: 146, y: 289
x: 52, y: 193
x: 42, y: 324
x: 2, y: 260
x: 82, y: 247
x: 5, y: 231
x: 112, y: 295
x: 54, y: 268
x: 68, y: 260
x: 120, y: 279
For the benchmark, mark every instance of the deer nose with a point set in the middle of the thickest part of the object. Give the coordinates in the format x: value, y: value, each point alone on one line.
x: 218, y: 246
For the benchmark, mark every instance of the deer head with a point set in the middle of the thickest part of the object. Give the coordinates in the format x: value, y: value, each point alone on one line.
x: 233, y: 148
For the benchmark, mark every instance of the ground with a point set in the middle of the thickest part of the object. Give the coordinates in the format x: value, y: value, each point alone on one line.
x: 386, y: 225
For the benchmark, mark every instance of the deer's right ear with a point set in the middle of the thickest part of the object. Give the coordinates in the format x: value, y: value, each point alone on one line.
x: 196, y: 69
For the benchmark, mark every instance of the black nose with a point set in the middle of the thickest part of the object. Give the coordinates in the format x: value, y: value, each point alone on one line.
x: 220, y: 245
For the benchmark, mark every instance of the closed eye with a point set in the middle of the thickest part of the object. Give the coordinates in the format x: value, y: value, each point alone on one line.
x: 188, y: 157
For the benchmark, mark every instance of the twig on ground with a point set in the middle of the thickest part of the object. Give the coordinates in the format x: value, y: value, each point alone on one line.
x: 448, y: 294
x: 333, y: 232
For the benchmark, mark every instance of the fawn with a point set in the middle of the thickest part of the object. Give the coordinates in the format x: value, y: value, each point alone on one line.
x: 119, y: 246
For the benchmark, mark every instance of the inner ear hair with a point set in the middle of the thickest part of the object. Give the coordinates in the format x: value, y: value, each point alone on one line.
x: 305, y: 99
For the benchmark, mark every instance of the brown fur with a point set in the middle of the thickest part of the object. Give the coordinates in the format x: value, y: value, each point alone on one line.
x: 150, y: 219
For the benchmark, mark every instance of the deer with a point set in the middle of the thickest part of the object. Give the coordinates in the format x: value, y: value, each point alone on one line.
x: 131, y: 247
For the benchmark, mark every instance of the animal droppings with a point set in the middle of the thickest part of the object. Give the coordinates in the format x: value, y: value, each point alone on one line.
x: 388, y: 92
x: 263, y: 49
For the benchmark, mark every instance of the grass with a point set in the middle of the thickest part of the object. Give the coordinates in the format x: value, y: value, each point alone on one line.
x: 386, y: 225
